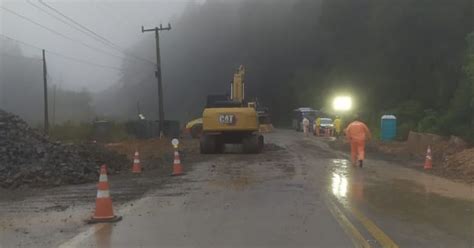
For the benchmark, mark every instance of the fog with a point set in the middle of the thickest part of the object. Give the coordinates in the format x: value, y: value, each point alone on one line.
x: 90, y: 65
x: 118, y: 21
x: 406, y: 57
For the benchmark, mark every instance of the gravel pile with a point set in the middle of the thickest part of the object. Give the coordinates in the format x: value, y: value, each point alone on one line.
x: 28, y: 157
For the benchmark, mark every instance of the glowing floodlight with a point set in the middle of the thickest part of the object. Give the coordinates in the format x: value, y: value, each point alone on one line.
x: 342, y: 103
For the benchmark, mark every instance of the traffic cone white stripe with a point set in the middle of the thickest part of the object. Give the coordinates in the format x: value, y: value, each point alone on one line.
x: 136, y: 161
x: 177, y: 167
x: 176, y: 158
x: 136, y: 154
x: 103, y: 194
x: 103, y: 178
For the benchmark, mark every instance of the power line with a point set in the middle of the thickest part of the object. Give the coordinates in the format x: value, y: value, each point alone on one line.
x: 95, y: 34
x: 61, y: 20
x: 149, y: 77
x: 65, y: 56
x: 73, y: 21
x: 89, y: 32
x: 59, y: 34
x: 86, y: 62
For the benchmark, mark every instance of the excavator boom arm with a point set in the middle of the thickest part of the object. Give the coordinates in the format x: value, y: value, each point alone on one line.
x: 238, y: 85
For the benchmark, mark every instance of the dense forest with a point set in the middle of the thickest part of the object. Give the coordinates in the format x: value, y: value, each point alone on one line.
x: 412, y: 58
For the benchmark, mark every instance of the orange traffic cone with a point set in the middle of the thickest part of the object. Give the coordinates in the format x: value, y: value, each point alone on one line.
x: 103, y: 203
x: 136, y: 168
x: 429, y: 159
x: 177, y: 167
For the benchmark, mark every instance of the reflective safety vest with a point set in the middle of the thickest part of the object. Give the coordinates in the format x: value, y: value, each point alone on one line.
x: 337, y: 125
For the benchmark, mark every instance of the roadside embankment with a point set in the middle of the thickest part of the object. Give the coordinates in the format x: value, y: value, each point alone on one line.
x: 452, y: 157
x: 30, y: 158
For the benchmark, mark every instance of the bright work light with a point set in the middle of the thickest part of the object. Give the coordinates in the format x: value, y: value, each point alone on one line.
x: 342, y: 103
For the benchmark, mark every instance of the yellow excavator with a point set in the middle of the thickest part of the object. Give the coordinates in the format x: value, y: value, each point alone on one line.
x: 231, y: 120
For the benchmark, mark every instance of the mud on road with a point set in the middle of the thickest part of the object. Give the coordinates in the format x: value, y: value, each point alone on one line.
x: 41, y: 217
x: 272, y: 199
x: 44, y: 217
x: 301, y: 194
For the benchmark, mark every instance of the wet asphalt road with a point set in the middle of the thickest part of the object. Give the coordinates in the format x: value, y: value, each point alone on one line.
x: 300, y: 195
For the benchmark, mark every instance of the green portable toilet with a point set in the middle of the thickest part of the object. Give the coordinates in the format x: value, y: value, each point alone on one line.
x: 388, y: 127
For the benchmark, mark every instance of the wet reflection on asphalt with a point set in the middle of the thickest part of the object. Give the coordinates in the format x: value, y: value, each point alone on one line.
x: 103, y: 235
x: 418, y: 204
x: 276, y: 199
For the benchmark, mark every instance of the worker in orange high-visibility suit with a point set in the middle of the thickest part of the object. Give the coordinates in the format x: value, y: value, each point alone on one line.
x: 357, y: 133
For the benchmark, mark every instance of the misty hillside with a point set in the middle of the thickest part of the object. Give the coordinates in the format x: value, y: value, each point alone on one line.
x: 21, y: 90
x: 400, y: 56
x: 409, y: 57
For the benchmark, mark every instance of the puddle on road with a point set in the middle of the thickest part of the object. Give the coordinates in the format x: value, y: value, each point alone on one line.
x: 346, y: 182
x: 103, y: 236
x: 412, y: 202
x: 405, y: 200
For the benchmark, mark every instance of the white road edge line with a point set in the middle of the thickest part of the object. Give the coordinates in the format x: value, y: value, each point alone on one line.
x: 79, y: 238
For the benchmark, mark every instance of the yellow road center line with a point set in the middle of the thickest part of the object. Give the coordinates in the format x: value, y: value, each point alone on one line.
x: 373, y: 229
x: 357, y: 239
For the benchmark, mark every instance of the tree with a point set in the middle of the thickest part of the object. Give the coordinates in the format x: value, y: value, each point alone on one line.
x: 298, y: 52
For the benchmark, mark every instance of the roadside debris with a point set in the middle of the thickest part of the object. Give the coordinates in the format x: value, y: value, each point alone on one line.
x: 462, y: 163
x: 27, y: 157
x: 450, y: 156
x: 441, y: 147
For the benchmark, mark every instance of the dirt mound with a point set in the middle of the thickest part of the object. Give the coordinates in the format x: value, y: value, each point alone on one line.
x: 441, y: 147
x: 28, y: 157
x: 151, y: 149
x: 462, y: 163
x: 156, y: 152
x: 451, y: 158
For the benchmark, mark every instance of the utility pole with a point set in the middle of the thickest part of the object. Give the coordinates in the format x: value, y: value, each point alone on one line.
x: 45, y: 81
x: 54, y: 106
x: 161, y: 111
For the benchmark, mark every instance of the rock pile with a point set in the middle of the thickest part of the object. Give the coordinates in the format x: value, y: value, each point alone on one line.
x: 28, y: 157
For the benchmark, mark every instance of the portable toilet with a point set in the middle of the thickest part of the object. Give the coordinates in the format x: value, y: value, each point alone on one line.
x: 388, y: 127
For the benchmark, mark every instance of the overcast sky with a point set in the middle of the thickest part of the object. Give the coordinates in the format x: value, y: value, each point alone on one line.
x: 118, y: 21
